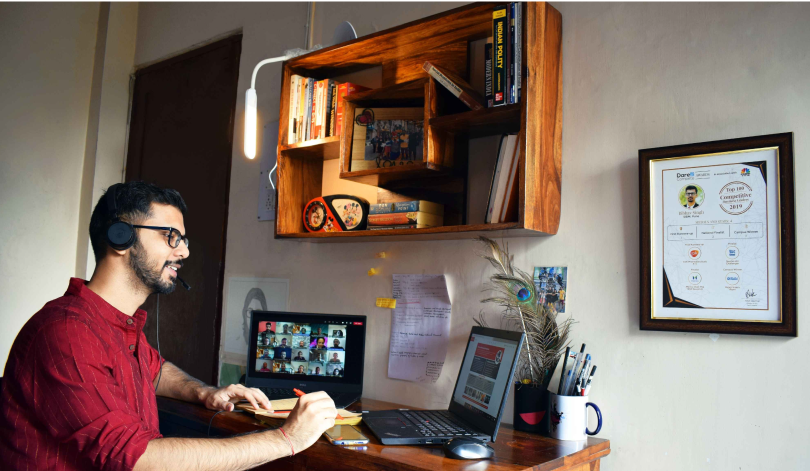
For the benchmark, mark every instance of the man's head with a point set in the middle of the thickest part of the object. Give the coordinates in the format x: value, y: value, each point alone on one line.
x: 149, y: 260
x: 286, y: 327
x: 336, y: 343
x: 321, y: 342
x: 300, y: 368
x: 691, y: 194
x: 302, y: 344
x: 335, y: 356
x: 283, y: 355
x: 283, y: 342
x: 317, y: 370
x: 264, y: 365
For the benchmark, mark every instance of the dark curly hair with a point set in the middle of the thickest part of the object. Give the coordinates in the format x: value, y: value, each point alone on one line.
x: 133, y: 201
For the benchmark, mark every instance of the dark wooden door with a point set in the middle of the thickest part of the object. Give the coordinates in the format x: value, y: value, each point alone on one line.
x: 181, y: 137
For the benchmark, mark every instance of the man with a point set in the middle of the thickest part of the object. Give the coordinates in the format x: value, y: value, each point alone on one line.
x: 691, y: 196
x: 336, y: 345
x: 300, y: 357
x: 302, y: 344
x: 335, y: 358
x: 88, y: 401
x: 300, y: 369
x: 265, y: 369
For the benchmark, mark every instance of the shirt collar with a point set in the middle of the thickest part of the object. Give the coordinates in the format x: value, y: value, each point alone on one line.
x: 78, y: 287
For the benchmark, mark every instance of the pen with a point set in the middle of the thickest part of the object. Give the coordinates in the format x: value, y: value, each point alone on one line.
x: 583, y: 374
x: 300, y: 393
x: 590, y: 379
x: 562, y: 371
x: 570, y: 390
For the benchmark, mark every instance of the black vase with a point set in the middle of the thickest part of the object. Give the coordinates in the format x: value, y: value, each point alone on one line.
x: 531, y: 403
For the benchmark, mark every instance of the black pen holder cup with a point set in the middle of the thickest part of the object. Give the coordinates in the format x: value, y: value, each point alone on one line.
x: 531, y: 404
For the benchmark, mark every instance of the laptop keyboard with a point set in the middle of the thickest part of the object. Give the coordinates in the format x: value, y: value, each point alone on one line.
x: 437, y: 424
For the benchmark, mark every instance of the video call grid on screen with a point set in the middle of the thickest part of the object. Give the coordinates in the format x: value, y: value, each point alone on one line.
x: 302, y: 348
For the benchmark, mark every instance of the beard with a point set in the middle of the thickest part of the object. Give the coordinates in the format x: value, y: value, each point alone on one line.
x: 151, y: 278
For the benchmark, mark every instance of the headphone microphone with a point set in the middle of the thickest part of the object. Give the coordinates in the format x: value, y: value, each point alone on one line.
x: 185, y: 285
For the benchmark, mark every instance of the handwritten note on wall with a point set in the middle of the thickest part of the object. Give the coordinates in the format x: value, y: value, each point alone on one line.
x: 420, y: 328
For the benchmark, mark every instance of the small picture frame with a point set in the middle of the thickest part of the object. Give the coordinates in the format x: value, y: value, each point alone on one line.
x: 718, y: 237
x: 387, y: 137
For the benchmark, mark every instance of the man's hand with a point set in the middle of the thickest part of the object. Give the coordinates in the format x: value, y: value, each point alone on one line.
x: 313, y: 414
x: 224, y: 398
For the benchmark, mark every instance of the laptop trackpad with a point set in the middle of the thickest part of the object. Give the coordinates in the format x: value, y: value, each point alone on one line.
x: 385, y: 422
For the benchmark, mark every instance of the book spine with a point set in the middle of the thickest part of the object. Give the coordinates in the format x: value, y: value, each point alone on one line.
x: 301, y: 108
x: 332, y: 102
x: 313, y: 123
x: 308, y: 104
x: 394, y: 219
x: 510, y: 55
x: 339, y: 110
x: 291, y: 111
x: 488, y: 73
x: 496, y: 175
x: 400, y: 226
x: 387, y: 208
x: 518, y: 50
x: 499, y: 37
x: 452, y: 86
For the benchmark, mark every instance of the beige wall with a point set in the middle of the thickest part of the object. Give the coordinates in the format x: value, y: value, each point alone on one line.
x: 45, y: 86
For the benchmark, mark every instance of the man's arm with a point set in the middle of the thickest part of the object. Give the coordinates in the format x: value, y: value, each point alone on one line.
x: 313, y: 414
x: 177, y: 384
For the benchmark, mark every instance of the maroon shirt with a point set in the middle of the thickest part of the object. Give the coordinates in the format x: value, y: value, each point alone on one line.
x: 78, y: 387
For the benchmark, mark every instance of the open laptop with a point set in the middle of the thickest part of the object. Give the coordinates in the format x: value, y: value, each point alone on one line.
x: 310, y: 352
x: 478, y: 399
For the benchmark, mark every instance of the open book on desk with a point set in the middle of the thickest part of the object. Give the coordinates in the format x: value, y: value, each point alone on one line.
x: 282, y: 408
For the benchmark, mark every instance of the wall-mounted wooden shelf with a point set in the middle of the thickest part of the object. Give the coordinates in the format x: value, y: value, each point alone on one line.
x: 445, y: 40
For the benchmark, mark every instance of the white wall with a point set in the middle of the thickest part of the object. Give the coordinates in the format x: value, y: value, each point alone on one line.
x: 45, y: 82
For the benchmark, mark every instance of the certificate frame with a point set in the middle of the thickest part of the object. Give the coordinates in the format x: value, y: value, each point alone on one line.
x: 655, y: 304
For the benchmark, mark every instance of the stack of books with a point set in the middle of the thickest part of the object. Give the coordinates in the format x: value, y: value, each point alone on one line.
x: 316, y: 108
x: 504, y: 56
x: 405, y: 215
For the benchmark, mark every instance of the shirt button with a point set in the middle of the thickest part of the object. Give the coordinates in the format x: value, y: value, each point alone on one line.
x: 132, y: 347
x: 129, y: 321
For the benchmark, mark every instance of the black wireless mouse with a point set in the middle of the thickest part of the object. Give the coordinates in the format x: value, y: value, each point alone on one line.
x: 462, y: 448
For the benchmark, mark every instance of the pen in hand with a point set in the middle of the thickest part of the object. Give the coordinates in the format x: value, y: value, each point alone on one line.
x: 300, y: 393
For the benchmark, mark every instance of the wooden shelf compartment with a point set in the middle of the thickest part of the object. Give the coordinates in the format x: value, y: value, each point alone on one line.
x: 444, y: 40
x: 318, y: 149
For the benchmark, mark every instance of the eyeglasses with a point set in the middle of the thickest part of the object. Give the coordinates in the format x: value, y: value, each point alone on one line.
x: 173, y: 237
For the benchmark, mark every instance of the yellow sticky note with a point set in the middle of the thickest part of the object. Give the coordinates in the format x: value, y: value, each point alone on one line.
x: 372, y: 271
x: 387, y: 302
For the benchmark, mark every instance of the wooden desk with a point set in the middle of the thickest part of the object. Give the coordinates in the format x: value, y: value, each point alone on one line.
x: 513, y: 450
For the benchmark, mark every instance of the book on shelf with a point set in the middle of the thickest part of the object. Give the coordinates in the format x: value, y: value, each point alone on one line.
x: 399, y: 226
x: 419, y: 218
x: 308, y: 111
x: 344, y: 90
x: 488, y: 73
x: 332, y: 106
x: 508, y: 159
x: 292, y: 121
x: 499, y: 41
x: 407, y: 207
x: 456, y: 85
x: 507, y: 54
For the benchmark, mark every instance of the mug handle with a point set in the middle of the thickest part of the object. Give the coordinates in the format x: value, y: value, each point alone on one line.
x: 598, y: 417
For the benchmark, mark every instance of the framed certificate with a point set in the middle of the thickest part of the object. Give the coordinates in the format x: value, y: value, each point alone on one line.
x: 718, y: 237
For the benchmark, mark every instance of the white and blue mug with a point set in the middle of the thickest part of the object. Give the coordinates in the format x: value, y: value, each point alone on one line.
x: 567, y: 417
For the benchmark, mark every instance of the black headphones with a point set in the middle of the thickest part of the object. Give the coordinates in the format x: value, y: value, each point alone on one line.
x: 120, y: 234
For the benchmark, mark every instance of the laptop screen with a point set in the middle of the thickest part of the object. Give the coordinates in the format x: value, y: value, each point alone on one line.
x: 485, y: 376
x: 306, y: 348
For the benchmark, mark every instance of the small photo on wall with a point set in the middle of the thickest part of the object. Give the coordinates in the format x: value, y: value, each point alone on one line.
x: 552, y: 286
